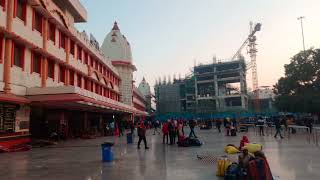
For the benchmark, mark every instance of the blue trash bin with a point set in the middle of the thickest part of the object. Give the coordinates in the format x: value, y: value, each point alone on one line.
x: 107, y: 154
x: 129, y: 138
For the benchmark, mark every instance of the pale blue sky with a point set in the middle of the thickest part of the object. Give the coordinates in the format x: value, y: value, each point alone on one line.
x: 168, y: 35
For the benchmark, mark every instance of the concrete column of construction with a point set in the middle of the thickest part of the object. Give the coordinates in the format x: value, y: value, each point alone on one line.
x: 8, y: 46
x: 44, y: 66
x: 196, y: 91
x: 242, y: 87
x: 216, y: 88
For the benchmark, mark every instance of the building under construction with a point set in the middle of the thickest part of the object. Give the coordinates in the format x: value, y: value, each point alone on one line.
x: 211, y: 88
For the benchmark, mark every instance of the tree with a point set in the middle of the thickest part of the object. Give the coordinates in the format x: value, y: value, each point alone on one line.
x: 299, y: 90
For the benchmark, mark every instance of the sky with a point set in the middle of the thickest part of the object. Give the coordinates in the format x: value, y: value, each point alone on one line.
x: 168, y: 37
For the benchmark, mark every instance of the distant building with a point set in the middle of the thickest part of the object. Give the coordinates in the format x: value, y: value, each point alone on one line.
x: 266, y: 99
x: 215, y: 87
x: 145, y: 90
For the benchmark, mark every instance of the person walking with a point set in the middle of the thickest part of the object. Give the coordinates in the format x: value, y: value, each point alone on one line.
x: 227, y: 126
x: 156, y: 125
x: 261, y: 123
x: 277, y: 124
x: 192, y: 125
x: 171, y: 132
x: 180, y: 131
x: 121, y: 127
x: 175, y: 135
x: 218, y: 125
x: 308, y: 122
x: 131, y: 124
x: 165, y: 132
x: 142, y: 135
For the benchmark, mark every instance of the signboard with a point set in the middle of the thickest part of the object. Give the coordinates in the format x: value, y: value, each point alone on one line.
x: 7, y: 117
x: 22, y: 119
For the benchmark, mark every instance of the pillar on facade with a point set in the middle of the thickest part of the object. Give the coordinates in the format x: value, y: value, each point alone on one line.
x: 8, y: 49
x: 44, y: 66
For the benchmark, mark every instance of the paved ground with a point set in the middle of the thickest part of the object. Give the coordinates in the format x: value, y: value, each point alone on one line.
x: 290, y: 159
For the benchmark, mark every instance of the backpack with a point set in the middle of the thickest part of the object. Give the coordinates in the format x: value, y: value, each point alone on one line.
x: 233, y: 172
x: 194, y: 142
x: 222, y: 166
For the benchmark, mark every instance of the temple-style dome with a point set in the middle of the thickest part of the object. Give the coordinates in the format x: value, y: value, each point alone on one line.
x: 144, y: 88
x: 116, y: 47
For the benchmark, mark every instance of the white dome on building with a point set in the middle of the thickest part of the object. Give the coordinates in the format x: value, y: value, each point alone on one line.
x: 116, y: 47
x: 144, y: 88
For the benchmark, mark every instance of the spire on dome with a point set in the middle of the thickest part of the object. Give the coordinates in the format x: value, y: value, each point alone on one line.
x: 143, y: 79
x: 115, y: 26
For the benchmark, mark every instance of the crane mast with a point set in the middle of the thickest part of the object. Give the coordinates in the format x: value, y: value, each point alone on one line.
x: 253, y: 55
x: 251, y: 42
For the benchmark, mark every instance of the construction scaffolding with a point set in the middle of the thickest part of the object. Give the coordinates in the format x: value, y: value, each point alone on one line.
x: 211, y: 88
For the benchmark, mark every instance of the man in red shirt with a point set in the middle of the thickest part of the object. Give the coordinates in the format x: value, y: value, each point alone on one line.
x: 142, y: 135
x: 165, y: 131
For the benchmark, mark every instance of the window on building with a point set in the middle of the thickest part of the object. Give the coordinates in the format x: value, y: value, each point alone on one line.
x: 100, y: 68
x: 36, y: 63
x: 20, y: 9
x: 52, y: 32
x: 37, y: 21
x: 18, y: 55
x: 96, y: 88
x: 91, y: 86
x: 86, y: 58
x: 72, y: 47
x: 3, y: 4
x: 79, y: 84
x: 62, y: 74
x: 71, y: 77
x: 96, y: 65
x: 51, y: 69
x: 62, y: 42
x: 79, y: 53
x: 106, y: 93
x: 91, y: 61
x: 86, y: 86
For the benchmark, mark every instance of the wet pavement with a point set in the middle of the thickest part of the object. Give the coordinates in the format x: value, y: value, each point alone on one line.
x: 290, y: 159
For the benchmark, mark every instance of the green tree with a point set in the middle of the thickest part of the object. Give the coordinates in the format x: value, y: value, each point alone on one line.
x: 299, y: 90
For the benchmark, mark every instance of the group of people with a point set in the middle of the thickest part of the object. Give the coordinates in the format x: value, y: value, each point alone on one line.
x: 249, y: 162
x: 229, y: 125
x: 174, y: 129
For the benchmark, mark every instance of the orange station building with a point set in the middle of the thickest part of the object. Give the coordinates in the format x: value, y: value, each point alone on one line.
x: 54, y: 78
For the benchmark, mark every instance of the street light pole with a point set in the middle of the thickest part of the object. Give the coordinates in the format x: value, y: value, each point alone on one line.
x: 301, y: 22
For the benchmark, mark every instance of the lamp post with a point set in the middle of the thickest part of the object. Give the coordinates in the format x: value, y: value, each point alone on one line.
x: 301, y: 22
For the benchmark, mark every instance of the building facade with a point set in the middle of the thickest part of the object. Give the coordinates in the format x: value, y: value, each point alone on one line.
x: 215, y: 87
x: 54, y: 78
